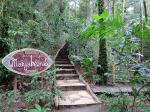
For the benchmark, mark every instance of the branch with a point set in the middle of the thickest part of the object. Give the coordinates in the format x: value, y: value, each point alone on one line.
x: 147, y: 84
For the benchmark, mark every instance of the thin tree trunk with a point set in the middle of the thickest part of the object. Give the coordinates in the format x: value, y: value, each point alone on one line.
x: 145, y: 10
x: 145, y: 43
x: 4, y: 30
x: 100, y: 6
x: 123, y: 8
x: 4, y: 48
x: 108, y: 3
x: 61, y: 6
x: 102, y: 60
x: 110, y: 6
x: 113, y: 7
x: 142, y: 23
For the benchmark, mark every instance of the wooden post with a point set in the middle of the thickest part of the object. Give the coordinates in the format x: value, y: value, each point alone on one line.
x: 42, y: 79
x: 15, y: 84
x: 113, y: 70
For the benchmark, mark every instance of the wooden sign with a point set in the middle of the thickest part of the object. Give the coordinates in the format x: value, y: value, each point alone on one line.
x: 27, y: 61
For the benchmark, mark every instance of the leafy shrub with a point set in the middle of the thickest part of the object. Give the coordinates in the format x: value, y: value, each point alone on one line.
x: 31, y: 95
x: 88, y: 64
x: 38, y: 108
x: 142, y: 33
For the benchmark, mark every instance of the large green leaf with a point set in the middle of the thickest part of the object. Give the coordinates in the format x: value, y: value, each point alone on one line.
x: 32, y: 110
x: 87, y: 33
x: 38, y: 107
x: 104, y: 15
x: 103, y: 25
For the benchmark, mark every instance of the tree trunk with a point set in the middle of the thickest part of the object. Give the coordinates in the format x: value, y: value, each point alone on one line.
x: 4, y: 48
x: 142, y: 23
x: 110, y: 6
x: 123, y: 8
x: 113, y: 7
x: 102, y: 60
x: 145, y: 10
x: 100, y: 6
x: 145, y: 42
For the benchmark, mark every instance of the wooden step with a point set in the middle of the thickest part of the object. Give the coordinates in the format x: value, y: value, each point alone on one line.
x: 62, y: 59
x: 67, y: 76
x: 66, y: 71
x: 83, y: 108
x: 76, y: 98
x: 65, y: 66
x: 68, y: 85
x: 62, y: 62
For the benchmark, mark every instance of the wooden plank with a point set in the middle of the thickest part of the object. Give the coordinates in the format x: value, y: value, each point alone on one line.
x: 114, y: 89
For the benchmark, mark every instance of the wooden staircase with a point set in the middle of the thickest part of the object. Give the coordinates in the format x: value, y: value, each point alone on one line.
x: 77, y: 95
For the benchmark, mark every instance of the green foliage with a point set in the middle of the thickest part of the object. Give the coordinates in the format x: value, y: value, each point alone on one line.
x: 88, y: 64
x: 117, y: 102
x: 38, y: 90
x: 38, y: 108
x: 104, y: 15
x: 51, y: 75
x: 96, y: 78
x: 23, y: 24
x: 42, y: 24
x: 103, y: 25
x: 12, y: 96
x: 31, y: 95
x: 142, y: 31
x: 58, y: 93
x: 76, y: 58
x: 136, y: 93
x: 7, y: 99
x: 137, y: 79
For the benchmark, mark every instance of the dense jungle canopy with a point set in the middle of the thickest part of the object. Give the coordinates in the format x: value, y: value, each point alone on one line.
x: 108, y: 39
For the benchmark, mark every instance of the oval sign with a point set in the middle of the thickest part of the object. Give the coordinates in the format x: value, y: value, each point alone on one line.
x: 27, y: 61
